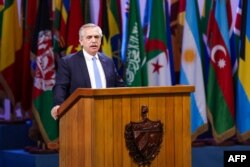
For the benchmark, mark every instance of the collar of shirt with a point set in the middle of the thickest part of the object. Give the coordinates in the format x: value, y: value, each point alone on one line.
x: 88, y: 56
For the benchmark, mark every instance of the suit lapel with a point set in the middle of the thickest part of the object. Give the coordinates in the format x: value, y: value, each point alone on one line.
x: 83, y: 70
x: 104, y: 64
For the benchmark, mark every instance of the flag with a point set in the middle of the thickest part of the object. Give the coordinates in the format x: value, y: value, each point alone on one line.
x: 111, y: 41
x: 220, y: 91
x: 75, y: 21
x: 177, y: 14
x: 204, y: 24
x: 191, y: 72
x: 238, y: 26
x: 27, y: 80
x: 169, y: 43
x: 238, y: 18
x: 243, y: 81
x: 103, y: 22
x: 146, y: 18
x: 135, y: 55
x: 60, y: 26
x: 158, y: 57
x: 11, y: 49
x: 44, y: 74
x: 232, y: 39
x: 125, y: 5
x: 114, y: 13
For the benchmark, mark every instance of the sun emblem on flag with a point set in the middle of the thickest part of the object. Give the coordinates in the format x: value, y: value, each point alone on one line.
x: 189, y: 55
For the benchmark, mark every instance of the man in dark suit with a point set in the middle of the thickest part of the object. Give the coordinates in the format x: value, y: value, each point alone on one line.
x: 79, y: 70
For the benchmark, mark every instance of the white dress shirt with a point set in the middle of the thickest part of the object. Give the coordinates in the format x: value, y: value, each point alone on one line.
x: 89, y: 62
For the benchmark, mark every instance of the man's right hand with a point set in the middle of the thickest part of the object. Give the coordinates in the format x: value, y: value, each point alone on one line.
x: 54, y: 112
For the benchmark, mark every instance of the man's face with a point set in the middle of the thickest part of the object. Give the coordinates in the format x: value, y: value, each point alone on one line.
x: 91, y: 41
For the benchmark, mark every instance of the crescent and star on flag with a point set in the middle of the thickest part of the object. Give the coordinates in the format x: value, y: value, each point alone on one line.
x: 221, y: 62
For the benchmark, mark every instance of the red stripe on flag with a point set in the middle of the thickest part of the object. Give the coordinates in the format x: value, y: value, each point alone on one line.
x: 221, y: 63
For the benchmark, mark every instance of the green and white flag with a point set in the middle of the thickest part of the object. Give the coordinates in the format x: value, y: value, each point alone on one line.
x: 135, y: 55
x: 158, y: 55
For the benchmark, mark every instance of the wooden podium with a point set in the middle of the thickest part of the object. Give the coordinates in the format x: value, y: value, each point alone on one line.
x: 92, y: 125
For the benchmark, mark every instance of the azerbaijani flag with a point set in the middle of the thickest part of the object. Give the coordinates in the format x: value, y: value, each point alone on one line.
x: 220, y: 90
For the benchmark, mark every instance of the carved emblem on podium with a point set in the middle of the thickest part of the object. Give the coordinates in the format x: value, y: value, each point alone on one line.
x: 143, y: 139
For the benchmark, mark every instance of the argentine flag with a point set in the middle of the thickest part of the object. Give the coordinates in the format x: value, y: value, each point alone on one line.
x: 191, y: 69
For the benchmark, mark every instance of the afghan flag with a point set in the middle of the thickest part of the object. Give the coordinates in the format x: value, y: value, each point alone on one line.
x: 158, y: 55
x: 135, y: 55
x: 220, y: 90
x: 44, y: 74
x: 10, y: 49
x: 243, y: 81
x: 191, y: 72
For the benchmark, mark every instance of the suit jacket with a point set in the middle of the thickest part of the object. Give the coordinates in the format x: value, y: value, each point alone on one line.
x: 72, y: 73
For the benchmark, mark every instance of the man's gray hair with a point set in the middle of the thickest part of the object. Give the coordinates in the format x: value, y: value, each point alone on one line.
x: 88, y: 25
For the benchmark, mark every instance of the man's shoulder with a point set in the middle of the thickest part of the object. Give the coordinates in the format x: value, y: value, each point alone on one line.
x: 71, y: 56
x: 103, y: 56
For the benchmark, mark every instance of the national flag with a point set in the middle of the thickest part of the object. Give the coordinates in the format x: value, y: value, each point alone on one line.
x: 109, y: 17
x: 238, y: 27
x: 220, y: 91
x: 177, y: 14
x: 103, y: 22
x: 44, y: 74
x: 135, y: 57
x: 169, y: 42
x: 125, y: 5
x: 95, y: 11
x: 60, y: 26
x: 86, y: 11
x: 238, y: 19
x: 158, y: 57
x: 75, y: 21
x: 30, y: 14
x: 116, y: 36
x: 232, y: 38
x: 181, y: 12
x: 1, y: 15
x: 11, y: 49
x: 243, y: 82
x: 207, y: 6
x: 146, y: 18
x: 191, y: 72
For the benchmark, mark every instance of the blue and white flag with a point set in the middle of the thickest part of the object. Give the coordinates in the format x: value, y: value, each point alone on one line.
x: 191, y: 68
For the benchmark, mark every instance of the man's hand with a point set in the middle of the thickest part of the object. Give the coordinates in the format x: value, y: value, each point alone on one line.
x: 54, y: 112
